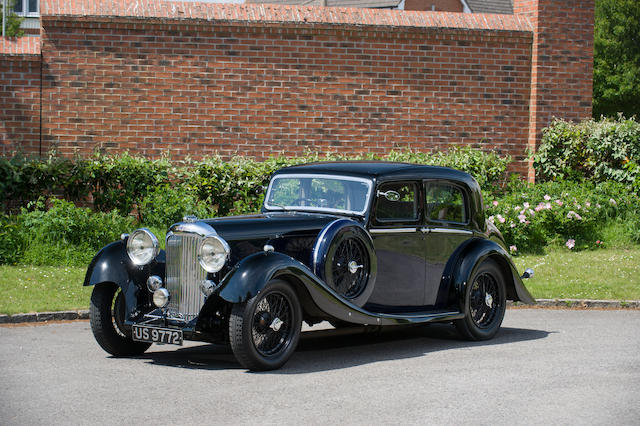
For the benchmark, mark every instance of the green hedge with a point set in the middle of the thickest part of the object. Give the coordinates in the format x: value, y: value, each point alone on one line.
x: 122, y: 182
x: 599, y: 151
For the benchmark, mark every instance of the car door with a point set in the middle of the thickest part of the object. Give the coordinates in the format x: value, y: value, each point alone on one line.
x: 446, y: 207
x: 399, y: 244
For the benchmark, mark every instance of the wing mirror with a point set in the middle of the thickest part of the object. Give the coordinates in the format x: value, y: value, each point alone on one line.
x: 389, y: 195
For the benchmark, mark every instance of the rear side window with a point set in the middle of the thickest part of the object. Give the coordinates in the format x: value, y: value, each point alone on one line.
x: 445, y: 203
x: 397, y: 201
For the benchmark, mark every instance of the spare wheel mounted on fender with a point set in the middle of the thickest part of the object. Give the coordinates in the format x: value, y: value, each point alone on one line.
x: 344, y: 257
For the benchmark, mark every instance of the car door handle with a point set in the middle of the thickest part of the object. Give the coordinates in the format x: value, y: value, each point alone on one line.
x: 425, y: 230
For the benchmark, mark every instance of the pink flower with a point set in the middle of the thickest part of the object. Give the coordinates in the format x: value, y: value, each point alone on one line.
x: 547, y: 198
x: 531, y: 212
x: 547, y: 206
x: 500, y: 219
x: 588, y: 204
x: 573, y: 214
x: 598, y: 242
x: 513, y: 249
x: 612, y: 202
x: 512, y: 225
x: 495, y: 204
x: 558, y: 202
x: 571, y: 243
x: 540, y: 207
x: 522, y: 218
x: 491, y: 219
x: 526, y: 205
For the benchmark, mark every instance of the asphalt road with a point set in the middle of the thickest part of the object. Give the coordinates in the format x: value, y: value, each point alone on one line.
x: 545, y: 367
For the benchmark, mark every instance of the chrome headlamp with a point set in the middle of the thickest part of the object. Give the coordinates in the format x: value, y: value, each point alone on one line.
x: 213, y: 253
x: 142, y: 246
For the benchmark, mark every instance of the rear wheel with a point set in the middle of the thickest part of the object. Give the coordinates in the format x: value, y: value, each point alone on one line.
x: 264, y: 331
x: 485, y: 303
x: 107, y: 314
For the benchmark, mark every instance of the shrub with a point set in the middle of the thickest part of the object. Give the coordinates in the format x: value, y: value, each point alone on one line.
x: 66, y: 234
x: 532, y: 216
x: 12, y: 243
x: 166, y: 205
x: 594, y: 150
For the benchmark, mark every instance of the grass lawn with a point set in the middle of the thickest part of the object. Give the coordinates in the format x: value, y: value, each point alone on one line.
x: 601, y: 274
x: 612, y: 273
x: 42, y: 288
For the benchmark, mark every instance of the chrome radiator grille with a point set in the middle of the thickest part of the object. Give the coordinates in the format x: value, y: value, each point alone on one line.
x: 183, y: 276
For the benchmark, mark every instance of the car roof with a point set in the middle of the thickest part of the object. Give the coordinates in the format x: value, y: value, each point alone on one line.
x: 381, y: 170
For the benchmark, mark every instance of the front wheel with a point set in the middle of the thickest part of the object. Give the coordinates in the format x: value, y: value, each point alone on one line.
x: 107, y: 314
x: 485, y: 303
x: 264, y: 331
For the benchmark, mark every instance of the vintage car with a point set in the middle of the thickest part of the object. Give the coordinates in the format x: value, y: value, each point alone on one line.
x: 370, y: 243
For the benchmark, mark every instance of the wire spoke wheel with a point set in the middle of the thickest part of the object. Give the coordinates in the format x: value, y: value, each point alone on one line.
x: 271, y: 329
x: 350, y: 268
x: 485, y: 303
x: 264, y: 331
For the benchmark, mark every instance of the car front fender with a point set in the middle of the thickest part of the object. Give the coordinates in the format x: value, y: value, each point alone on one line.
x: 471, y: 255
x: 112, y: 265
x: 251, y: 275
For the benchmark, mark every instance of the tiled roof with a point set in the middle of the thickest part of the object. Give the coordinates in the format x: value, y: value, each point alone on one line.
x: 334, y: 3
x: 20, y: 46
x: 159, y: 10
x: 491, y: 6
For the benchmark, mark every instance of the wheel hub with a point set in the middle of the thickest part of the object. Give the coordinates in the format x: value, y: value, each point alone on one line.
x: 353, y: 266
x: 488, y: 300
x: 276, y: 324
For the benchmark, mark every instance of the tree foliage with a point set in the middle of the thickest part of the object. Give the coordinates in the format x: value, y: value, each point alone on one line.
x: 616, y: 73
x: 12, y: 24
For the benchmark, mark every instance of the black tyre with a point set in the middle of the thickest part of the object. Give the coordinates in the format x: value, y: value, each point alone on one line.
x: 485, y: 303
x: 264, y: 331
x: 107, y: 315
x: 350, y: 266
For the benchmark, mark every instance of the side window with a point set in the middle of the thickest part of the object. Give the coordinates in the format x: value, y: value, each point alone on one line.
x: 445, y: 203
x: 397, y: 201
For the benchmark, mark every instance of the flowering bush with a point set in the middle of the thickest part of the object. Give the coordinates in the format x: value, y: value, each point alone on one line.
x: 532, y: 216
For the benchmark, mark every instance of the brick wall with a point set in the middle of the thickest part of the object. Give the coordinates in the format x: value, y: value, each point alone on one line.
x: 19, y: 95
x: 562, y: 61
x: 199, y: 79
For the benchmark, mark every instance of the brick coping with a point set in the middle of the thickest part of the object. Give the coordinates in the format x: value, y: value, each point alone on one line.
x: 20, y: 47
x: 170, y: 11
x: 541, y: 303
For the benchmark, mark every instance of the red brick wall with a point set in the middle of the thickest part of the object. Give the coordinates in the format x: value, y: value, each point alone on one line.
x: 19, y: 95
x: 199, y: 79
x: 562, y: 61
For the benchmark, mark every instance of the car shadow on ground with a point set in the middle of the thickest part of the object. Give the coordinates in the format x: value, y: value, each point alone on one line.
x: 331, y: 349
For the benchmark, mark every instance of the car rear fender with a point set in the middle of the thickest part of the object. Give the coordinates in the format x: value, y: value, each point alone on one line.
x: 471, y: 254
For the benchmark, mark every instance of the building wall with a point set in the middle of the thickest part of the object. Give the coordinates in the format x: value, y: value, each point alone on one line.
x: 196, y: 80
x: 19, y: 96
x: 562, y: 61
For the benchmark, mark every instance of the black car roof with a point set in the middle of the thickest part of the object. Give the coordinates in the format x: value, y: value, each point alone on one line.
x: 380, y: 170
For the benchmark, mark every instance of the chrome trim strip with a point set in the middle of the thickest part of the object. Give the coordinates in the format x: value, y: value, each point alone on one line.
x: 450, y: 231
x: 392, y: 230
x: 271, y: 208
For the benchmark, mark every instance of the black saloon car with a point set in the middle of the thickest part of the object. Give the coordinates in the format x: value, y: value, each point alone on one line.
x: 369, y: 243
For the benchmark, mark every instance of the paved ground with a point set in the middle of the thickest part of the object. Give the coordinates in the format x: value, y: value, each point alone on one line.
x: 545, y: 367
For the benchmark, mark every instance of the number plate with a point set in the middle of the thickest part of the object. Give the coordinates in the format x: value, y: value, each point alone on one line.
x: 143, y: 333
